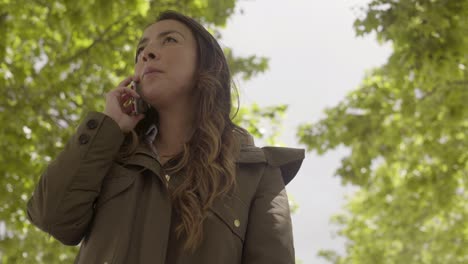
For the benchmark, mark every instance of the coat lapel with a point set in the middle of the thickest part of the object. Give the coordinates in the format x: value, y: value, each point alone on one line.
x: 143, y: 157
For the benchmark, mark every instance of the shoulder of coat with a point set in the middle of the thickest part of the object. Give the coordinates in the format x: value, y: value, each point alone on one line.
x: 289, y: 160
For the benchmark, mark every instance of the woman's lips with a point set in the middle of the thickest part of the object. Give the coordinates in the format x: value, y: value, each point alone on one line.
x: 150, y: 73
x: 150, y: 69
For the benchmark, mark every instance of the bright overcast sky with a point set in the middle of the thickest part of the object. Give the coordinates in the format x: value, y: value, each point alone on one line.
x: 315, y: 60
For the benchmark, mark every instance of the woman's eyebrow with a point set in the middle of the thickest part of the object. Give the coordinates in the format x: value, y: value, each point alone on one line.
x: 167, y: 32
x: 160, y: 35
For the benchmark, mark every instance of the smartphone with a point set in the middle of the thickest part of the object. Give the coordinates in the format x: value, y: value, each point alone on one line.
x: 131, y: 105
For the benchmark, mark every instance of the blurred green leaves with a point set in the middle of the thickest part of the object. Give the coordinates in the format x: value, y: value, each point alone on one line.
x: 263, y: 123
x: 406, y: 126
x: 57, y: 59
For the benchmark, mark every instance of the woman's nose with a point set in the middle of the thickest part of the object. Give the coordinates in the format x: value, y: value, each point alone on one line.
x: 149, y: 55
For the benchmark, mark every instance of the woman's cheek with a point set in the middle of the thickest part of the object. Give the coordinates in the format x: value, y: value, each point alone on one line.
x: 138, y: 69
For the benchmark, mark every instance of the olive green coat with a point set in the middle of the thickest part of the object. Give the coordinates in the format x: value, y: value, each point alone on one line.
x: 121, y: 213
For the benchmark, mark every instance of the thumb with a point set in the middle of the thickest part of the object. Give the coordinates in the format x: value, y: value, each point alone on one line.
x: 140, y: 117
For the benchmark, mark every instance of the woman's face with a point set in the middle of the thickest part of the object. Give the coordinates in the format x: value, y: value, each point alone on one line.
x: 166, y: 63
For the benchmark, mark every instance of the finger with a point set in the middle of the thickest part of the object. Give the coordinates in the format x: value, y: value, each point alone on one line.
x: 124, y: 89
x: 118, y: 89
x: 130, y: 91
x: 126, y: 82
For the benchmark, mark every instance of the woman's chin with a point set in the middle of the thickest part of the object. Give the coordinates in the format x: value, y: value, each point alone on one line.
x: 155, y: 101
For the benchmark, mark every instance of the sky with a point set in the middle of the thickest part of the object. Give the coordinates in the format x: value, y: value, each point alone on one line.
x: 315, y: 60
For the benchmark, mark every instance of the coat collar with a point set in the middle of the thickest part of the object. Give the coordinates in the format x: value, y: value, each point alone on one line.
x: 289, y: 160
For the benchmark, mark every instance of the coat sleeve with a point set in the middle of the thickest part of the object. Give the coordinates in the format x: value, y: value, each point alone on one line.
x: 63, y: 199
x: 269, y: 237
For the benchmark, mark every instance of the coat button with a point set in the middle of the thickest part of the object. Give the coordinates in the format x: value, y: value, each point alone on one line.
x: 83, y: 139
x: 237, y: 222
x: 92, y: 124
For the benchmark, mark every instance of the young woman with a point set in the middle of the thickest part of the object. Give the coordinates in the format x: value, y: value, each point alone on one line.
x: 178, y: 184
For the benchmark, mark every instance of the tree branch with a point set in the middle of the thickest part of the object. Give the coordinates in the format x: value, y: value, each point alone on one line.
x: 99, y: 39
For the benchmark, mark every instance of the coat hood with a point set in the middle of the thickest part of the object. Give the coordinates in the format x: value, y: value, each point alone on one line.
x: 289, y: 160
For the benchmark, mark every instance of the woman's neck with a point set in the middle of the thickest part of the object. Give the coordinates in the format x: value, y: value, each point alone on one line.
x: 174, y: 130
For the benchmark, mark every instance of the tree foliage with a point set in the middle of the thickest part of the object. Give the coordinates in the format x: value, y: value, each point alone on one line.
x: 57, y: 59
x: 407, y: 128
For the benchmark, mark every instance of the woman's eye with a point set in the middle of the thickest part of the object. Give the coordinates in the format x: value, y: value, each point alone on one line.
x: 170, y: 39
x: 139, y: 51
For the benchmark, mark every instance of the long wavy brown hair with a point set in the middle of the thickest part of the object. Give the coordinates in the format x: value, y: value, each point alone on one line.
x: 207, y: 161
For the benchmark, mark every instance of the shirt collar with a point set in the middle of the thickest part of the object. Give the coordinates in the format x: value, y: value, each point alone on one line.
x: 151, y: 133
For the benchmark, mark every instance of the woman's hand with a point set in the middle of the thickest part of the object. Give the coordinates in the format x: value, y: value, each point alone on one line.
x: 114, y: 110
